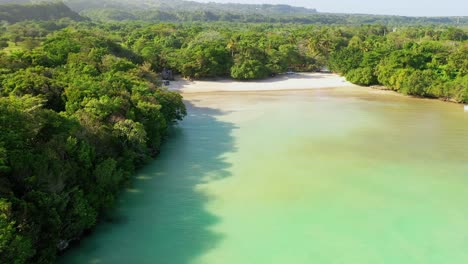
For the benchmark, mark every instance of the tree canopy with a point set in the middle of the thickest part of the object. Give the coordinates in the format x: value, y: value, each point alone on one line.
x: 78, y: 115
x: 16, y: 12
x: 82, y: 105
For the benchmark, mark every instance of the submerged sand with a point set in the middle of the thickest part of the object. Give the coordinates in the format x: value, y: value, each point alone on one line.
x: 337, y: 175
x: 298, y: 81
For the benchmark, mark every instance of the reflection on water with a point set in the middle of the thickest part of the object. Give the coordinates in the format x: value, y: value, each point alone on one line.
x: 325, y: 176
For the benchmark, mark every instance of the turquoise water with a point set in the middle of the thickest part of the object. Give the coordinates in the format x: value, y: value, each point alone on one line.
x: 346, y: 175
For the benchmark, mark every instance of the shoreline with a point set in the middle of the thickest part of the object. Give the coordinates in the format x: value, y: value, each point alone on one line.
x: 283, y: 82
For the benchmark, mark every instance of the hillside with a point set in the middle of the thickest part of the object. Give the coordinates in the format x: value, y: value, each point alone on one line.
x: 180, y: 5
x: 41, y: 11
x: 190, y: 11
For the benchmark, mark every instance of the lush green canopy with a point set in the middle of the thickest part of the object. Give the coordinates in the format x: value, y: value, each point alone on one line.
x: 77, y: 116
x: 81, y: 105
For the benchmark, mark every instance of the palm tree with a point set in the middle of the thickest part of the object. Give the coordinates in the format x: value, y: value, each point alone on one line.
x: 233, y: 43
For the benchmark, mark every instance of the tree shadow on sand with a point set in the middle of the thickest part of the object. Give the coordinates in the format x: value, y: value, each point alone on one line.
x: 162, y: 218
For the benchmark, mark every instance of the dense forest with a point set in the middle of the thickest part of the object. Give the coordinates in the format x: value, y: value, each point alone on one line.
x: 190, y: 11
x: 45, y: 11
x: 428, y: 61
x: 420, y: 62
x: 78, y: 115
x: 82, y: 106
x: 183, y: 5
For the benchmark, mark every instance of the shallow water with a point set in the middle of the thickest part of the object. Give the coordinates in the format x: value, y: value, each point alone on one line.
x: 346, y: 175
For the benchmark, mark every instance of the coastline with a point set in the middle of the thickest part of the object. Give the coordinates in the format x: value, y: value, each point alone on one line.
x: 282, y: 82
x: 297, y: 81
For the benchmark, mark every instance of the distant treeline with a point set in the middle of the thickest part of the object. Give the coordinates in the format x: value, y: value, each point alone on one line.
x: 189, y: 11
x: 113, y: 14
x: 44, y: 11
x: 181, y: 5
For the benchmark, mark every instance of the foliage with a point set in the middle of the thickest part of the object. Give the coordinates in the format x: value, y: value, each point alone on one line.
x: 206, y: 56
x: 15, y: 12
x: 77, y: 116
x: 362, y: 76
x: 81, y: 106
x: 427, y: 62
x: 184, y: 11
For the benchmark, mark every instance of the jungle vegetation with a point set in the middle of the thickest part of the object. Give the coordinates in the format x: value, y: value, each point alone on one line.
x: 82, y: 105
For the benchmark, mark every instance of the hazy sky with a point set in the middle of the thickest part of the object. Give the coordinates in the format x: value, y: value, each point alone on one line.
x: 389, y: 7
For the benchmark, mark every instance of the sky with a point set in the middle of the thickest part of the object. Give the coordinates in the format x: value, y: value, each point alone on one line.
x: 389, y: 7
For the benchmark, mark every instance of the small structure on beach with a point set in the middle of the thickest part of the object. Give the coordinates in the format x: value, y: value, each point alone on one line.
x: 167, y: 74
x: 466, y: 108
x: 325, y: 69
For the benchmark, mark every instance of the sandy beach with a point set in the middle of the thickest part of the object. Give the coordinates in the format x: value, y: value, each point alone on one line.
x: 298, y: 81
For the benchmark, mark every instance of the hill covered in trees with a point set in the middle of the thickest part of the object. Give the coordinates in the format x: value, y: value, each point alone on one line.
x: 18, y: 2
x: 15, y: 12
x: 173, y: 6
x: 190, y: 11
x: 182, y: 5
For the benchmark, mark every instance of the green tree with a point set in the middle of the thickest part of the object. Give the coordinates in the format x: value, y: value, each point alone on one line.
x: 362, y: 76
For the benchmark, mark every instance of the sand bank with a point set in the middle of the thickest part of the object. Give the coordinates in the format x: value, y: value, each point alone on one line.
x: 299, y: 81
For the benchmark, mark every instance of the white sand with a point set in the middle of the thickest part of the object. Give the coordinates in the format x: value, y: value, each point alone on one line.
x: 299, y: 81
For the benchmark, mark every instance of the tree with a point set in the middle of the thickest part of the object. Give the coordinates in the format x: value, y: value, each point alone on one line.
x: 249, y: 69
x: 362, y: 76
x: 251, y: 61
x: 13, y: 246
x: 206, y: 56
x: 37, y: 82
x: 345, y: 60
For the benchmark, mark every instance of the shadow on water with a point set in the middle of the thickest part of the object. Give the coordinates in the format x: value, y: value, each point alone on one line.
x: 163, y: 218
